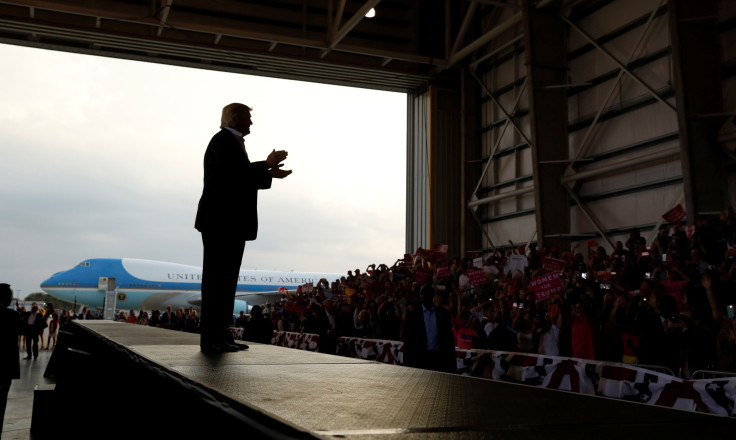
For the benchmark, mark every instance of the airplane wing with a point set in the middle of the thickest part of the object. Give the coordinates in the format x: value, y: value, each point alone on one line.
x: 174, y: 299
x: 258, y: 298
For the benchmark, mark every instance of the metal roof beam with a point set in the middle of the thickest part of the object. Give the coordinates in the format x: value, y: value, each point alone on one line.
x: 344, y: 30
x: 164, y: 15
x: 484, y: 39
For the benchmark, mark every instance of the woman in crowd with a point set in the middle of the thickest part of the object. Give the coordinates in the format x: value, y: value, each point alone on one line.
x: 53, y: 323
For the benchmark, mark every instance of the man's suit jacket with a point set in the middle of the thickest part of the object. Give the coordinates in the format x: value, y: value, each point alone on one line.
x: 10, y: 328
x: 39, y: 324
x: 231, y: 183
x: 415, y: 339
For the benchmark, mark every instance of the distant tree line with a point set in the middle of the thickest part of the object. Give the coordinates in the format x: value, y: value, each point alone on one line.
x: 41, y: 297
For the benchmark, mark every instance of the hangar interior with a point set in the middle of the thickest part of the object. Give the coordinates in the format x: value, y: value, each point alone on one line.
x: 528, y: 121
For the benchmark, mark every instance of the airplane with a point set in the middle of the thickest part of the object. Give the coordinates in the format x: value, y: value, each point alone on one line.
x: 153, y: 285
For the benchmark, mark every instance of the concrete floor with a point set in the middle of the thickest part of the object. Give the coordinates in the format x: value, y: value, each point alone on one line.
x: 17, y: 423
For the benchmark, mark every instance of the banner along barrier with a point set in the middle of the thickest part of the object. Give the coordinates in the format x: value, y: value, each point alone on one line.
x: 608, y: 379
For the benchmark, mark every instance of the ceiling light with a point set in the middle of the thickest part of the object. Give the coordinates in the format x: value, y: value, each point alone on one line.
x: 371, y: 13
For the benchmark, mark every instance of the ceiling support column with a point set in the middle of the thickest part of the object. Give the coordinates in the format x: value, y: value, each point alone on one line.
x: 696, y: 52
x: 546, y: 60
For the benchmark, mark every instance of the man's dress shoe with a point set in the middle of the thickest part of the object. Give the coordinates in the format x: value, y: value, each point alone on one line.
x: 218, y: 348
x: 239, y: 346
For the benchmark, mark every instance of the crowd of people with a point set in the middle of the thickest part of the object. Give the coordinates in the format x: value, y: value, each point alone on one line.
x: 34, y: 323
x: 183, y: 319
x: 668, y: 302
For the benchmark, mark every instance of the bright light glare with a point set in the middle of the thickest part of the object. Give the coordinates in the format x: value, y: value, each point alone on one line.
x: 371, y: 13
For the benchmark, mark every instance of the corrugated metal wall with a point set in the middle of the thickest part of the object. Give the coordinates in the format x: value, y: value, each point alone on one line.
x: 504, y: 140
x: 623, y: 130
x: 632, y: 122
x: 434, y: 198
x: 417, y: 170
x: 614, y: 181
x: 727, y: 25
x: 445, y: 168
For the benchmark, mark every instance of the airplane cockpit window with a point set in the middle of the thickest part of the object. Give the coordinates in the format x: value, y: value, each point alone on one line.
x: 84, y: 264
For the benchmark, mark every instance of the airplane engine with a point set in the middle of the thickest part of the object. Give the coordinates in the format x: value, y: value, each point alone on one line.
x: 159, y: 301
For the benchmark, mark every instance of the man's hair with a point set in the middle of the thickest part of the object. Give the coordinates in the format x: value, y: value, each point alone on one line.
x: 427, y: 290
x: 231, y: 112
x: 487, y: 306
x: 6, y: 293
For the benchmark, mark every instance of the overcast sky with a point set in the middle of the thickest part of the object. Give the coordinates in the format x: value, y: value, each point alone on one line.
x: 102, y: 157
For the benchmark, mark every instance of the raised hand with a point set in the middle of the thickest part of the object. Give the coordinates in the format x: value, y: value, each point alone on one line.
x: 276, y: 157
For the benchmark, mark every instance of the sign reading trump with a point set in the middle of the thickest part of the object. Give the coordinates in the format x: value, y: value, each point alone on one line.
x: 546, y: 286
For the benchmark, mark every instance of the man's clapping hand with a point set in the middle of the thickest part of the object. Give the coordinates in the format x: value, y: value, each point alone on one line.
x: 276, y: 157
x: 278, y: 173
x: 274, y: 164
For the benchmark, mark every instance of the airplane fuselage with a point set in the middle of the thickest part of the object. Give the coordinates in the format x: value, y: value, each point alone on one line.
x: 150, y: 285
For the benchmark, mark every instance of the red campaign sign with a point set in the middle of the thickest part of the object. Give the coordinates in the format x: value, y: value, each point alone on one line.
x: 477, y: 276
x: 439, y: 252
x: 443, y: 272
x: 422, y: 276
x: 297, y: 309
x: 603, y: 276
x: 675, y: 214
x: 553, y: 265
x: 546, y: 285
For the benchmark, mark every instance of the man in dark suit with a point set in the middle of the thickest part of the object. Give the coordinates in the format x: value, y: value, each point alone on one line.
x: 227, y: 217
x: 167, y: 318
x: 10, y: 325
x: 327, y: 327
x: 428, y: 339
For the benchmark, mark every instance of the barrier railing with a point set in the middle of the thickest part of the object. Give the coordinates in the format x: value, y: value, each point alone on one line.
x: 706, y: 374
x: 648, y: 384
x: 657, y: 368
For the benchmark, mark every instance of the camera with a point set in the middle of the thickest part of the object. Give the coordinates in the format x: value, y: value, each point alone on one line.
x: 664, y: 258
x: 729, y: 310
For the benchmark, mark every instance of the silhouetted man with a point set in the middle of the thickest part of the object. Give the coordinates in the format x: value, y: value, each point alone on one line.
x: 10, y: 325
x: 227, y: 217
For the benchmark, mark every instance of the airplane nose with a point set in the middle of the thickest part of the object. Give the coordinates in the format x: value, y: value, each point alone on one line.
x: 46, y: 283
x: 51, y: 281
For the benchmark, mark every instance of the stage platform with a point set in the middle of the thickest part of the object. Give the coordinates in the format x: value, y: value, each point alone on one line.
x: 116, y: 379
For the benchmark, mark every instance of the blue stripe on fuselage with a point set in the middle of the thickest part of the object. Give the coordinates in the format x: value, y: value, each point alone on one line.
x: 86, y: 275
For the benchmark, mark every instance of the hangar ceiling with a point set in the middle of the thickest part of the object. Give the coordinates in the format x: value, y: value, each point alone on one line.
x: 406, y: 44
